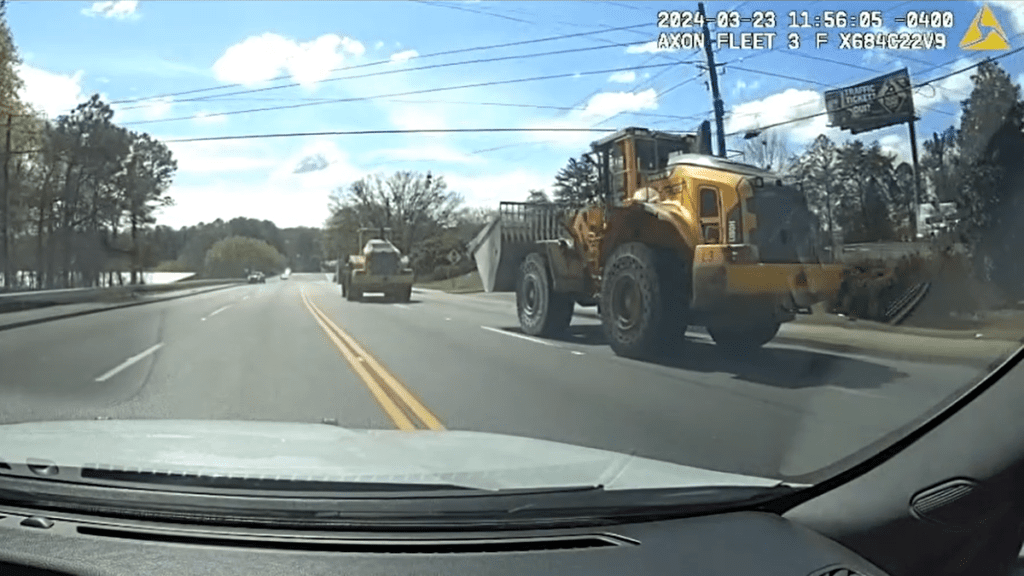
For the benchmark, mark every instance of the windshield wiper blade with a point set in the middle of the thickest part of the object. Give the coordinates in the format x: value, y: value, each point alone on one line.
x: 171, y: 480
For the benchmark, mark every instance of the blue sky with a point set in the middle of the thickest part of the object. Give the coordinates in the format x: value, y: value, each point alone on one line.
x: 130, y: 50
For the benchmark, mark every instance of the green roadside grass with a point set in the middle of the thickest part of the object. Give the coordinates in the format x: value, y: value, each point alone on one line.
x: 465, y: 284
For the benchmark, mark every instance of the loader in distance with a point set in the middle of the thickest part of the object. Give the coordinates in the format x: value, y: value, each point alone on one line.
x: 380, y: 267
x: 675, y: 238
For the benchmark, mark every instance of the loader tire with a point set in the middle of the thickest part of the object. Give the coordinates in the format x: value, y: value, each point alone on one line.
x: 542, y: 312
x: 405, y: 294
x: 741, y: 339
x: 353, y: 295
x: 644, y: 300
x: 344, y: 290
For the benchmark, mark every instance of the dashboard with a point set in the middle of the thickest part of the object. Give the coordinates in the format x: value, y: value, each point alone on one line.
x: 732, y: 544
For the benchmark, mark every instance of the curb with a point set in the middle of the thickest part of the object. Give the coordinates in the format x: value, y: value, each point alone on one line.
x: 22, y: 323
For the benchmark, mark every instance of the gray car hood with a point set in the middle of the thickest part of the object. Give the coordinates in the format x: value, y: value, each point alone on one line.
x: 304, y: 451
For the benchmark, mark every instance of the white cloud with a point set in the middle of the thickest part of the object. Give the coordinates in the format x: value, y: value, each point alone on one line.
x: 646, y: 48
x: 353, y: 47
x: 121, y: 10
x: 782, y: 107
x: 378, y: 45
x: 157, y: 109
x: 599, y: 108
x: 742, y: 87
x: 611, y: 103
x: 52, y: 94
x: 624, y: 77
x: 276, y: 193
x: 260, y: 58
x: 951, y: 89
x: 219, y: 156
x: 1015, y: 8
x: 206, y: 118
x: 896, y: 144
x: 226, y: 199
x: 404, y: 55
x: 487, y: 190
x: 418, y: 117
x: 433, y: 153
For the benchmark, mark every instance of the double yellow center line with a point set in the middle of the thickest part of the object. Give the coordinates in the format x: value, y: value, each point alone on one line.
x: 400, y: 405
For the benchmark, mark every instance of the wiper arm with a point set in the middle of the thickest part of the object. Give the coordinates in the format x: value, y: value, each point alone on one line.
x: 170, y: 481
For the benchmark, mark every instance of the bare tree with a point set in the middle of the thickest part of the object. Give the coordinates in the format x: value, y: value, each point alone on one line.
x: 411, y: 204
x: 769, y: 151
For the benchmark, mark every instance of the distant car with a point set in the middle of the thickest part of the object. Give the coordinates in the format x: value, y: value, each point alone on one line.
x: 257, y: 278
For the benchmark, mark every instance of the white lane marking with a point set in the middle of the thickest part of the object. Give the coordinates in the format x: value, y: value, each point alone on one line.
x: 245, y: 298
x: 449, y: 319
x: 129, y: 362
x: 215, y: 312
x: 523, y: 336
x: 577, y: 352
x: 403, y: 306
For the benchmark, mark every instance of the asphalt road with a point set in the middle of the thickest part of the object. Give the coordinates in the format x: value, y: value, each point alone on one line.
x: 294, y: 350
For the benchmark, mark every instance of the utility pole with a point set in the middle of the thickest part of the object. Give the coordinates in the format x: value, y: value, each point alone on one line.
x: 917, y: 181
x: 5, y: 222
x: 719, y: 106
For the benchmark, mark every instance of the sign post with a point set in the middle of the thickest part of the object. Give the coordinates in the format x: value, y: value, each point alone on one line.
x: 877, y: 103
x: 917, y: 182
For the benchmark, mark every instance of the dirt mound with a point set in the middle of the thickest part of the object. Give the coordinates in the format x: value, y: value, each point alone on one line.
x: 958, y: 299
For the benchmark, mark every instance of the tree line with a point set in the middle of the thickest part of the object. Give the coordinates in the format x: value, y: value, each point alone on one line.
x: 417, y: 212
x: 76, y: 193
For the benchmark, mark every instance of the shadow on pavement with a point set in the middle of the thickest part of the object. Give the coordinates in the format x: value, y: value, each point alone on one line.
x: 772, y: 366
x: 383, y: 300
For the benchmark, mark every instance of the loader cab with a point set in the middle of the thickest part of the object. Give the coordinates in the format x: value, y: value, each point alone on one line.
x: 633, y: 158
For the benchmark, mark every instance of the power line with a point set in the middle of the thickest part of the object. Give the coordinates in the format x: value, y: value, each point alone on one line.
x: 954, y: 73
x: 388, y: 61
x: 841, y: 63
x: 624, y: 5
x: 925, y: 83
x: 451, y: 102
x: 380, y: 132
x: 473, y: 11
x: 387, y: 72
x: 408, y: 93
x: 766, y: 73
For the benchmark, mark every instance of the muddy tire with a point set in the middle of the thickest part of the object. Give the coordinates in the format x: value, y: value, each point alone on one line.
x: 745, y: 338
x: 542, y: 312
x: 644, y: 301
x: 405, y: 294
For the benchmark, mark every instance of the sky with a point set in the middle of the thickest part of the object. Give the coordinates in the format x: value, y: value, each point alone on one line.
x: 184, y: 70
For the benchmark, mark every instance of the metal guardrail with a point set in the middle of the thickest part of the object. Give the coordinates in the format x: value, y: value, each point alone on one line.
x: 76, y: 295
x: 898, y: 311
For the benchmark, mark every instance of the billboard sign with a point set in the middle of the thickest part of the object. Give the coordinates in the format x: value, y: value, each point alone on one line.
x: 870, y: 105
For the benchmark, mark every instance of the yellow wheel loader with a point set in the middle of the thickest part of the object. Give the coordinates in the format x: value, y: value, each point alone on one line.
x: 380, y: 267
x: 675, y: 238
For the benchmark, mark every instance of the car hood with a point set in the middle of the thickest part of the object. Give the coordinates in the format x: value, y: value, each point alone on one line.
x: 303, y: 451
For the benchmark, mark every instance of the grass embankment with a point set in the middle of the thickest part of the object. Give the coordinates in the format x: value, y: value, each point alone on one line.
x: 465, y: 284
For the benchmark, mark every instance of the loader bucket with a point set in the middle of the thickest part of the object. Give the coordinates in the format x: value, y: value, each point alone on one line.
x: 504, y: 242
x: 496, y: 261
